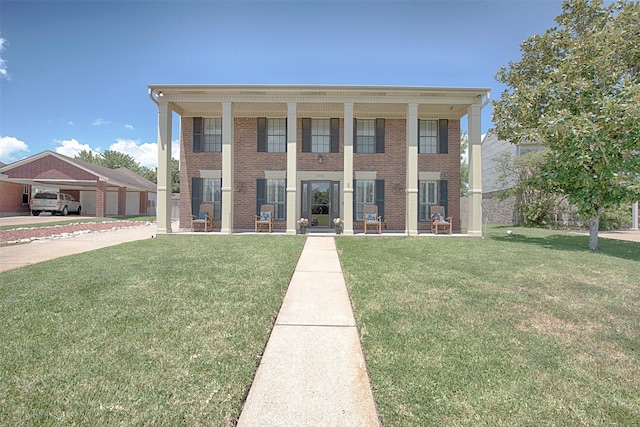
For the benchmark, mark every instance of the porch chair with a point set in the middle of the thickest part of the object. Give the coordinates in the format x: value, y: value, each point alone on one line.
x: 439, y: 221
x: 204, y: 220
x: 267, y: 212
x: 372, y: 219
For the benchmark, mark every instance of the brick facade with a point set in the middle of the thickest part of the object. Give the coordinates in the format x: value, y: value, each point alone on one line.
x: 11, y: 198
x: 250, y: 165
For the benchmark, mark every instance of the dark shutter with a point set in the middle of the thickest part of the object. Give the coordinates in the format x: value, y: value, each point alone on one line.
x: 444, y: 196
x: 334, y: 144
x: 380, y: 197
x: 195, y: 196
x: 306, y: 135
x: 355, y: 136
x: 355, y: 196
x: 261, y: 193
x: 286, y: 136
x: 379, y: 135
x: 197, y: 134
x: 262, y: 134
x: 443, y: 133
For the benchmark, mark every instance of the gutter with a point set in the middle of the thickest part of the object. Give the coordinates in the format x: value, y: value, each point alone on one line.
x: 155, y: 101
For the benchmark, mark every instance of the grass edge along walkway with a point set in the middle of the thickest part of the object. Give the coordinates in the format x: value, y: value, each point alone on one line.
x: 529, y: 330
x: 155, y: 332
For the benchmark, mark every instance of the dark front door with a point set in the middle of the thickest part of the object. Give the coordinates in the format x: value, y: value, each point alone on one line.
x: 320, y: 203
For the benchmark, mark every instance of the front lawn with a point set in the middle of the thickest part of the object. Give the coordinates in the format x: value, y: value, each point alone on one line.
x: 525, y: 330
x: 164, y: 331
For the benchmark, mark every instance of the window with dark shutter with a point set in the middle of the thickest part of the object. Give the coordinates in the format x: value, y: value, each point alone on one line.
x: 195, y: 196
x: 262, y: 134
x: 306, y: 135
x: 380, y: 197
x: 443, y: 135
x: 444, y: 196
x: 379, y: 135
x: 335, y: 136
x: 197, y: 135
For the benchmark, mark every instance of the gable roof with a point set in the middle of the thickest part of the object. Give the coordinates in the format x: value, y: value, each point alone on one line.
x: 121, y: 177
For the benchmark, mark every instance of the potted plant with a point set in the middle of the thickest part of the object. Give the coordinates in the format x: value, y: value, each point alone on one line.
x: 337, y: 222
x: 303, y: 223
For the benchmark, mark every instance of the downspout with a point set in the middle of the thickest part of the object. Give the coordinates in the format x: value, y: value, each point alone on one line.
x: 484, y: 104
x: 155, y: 101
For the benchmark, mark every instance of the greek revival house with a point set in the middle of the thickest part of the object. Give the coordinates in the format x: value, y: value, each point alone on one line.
x: 319, y: 152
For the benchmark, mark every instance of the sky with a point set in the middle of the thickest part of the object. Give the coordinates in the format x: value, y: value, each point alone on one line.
x: 74, y: 74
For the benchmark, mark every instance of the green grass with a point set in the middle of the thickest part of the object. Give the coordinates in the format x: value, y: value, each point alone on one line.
x: 528, y: 330
x: 165, y: 331
x: 72, y: 220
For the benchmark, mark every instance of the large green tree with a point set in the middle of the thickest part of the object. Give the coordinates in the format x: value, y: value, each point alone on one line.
x: 577, y: 90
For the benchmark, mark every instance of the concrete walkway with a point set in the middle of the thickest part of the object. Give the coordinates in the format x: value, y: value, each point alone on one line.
x: 312, y: 372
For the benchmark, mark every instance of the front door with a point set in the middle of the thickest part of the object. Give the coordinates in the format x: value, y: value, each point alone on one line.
x: 320, y: 203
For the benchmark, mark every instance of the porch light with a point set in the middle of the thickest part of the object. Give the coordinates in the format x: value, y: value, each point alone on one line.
x: 320, y: 159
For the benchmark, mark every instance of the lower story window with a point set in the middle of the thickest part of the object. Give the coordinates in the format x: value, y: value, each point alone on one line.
x: 427, y: 197
x: 365, y: 195
x: 212, y: 193
x: 276, y: 195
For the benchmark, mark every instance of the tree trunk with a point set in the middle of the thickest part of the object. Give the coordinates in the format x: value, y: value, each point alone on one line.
x: 594, y: 223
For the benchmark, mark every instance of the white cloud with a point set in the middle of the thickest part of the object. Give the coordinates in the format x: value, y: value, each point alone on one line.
x: 71, y: 147
x: 100, y: 122
x: 129, y: 127
x: 9, y: 147
x: 146, y: 154
x: 3, y: 64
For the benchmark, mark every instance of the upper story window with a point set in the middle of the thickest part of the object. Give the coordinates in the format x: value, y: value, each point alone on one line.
x: 207, y: 134
x: 277, y: 135
x: 369, y: 135
x: 212, y: 134
x: 272, y: 135
x: 320, y: 135
x: 428, y: 136
x: 365, y: 136
x: 433, y: 136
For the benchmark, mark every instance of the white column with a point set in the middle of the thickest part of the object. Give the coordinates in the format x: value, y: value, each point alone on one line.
x: 634, y: 213
x: 475, y: 172
x: 164, y: 168
x: 411, y: 221
x: 292, y: 167
x: 227, y: 168
x: 347, y: 181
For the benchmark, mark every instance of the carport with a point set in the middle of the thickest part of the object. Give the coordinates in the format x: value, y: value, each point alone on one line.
x: 101, y: 191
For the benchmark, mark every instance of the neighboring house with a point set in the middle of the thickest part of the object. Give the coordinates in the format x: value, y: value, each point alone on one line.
x: 499, y: 211
x: 503, y: 211
x: 318, y: 152
x: 13, y: 196
x: 101, y: 191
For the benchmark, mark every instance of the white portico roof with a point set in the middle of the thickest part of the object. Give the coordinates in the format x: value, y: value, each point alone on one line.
x: 319, y: 100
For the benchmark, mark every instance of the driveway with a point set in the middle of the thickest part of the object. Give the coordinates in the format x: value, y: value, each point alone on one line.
x: 21, y: 254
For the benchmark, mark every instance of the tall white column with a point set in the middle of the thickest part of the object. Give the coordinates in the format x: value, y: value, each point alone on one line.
x: 164, y: 168
x: 475, y: 172
x: 634, y: 213
x: 411, y: 221
x: 347, y: 189
x: 292, y: 167
x: 227, y: 168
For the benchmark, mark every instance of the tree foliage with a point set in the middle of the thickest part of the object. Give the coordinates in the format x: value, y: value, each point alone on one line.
x: 464, y: 165
x: 535, y: 206
x: 577, y: 90
x: 115, y: 159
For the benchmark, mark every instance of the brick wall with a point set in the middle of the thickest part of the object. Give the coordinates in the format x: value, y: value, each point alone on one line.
x: 11, y: 199
x: 249, y: 165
